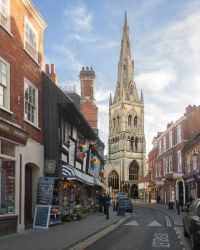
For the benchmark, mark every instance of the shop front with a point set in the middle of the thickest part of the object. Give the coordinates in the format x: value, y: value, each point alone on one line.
x: 80, y: 187
x: 11, y: 137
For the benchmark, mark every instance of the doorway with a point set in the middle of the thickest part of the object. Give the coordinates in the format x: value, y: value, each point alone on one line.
x: 28, y: 195
x: 134, y: 191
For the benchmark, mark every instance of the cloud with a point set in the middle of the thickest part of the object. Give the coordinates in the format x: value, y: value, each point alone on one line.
x: 82, y: 38
x: 81, y: 18
x: 156, y: 80
x: 109, y: 44
x: 65, y: 56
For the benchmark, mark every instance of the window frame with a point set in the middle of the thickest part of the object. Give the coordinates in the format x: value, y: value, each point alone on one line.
x: 194, y: 162
x: 6, y: 104
x: 30, y: 84
x: 179, y: 161
x: 178, y: 135
x: 170, y: 139
x: 188, y: 165
x: 170, y: 164
x: 7, y: 26
x: 27, y: 22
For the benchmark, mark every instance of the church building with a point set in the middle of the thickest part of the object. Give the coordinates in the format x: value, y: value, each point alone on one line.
x: 126, y: 141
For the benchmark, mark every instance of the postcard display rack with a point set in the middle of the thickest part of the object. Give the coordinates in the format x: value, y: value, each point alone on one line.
x: 47, y: 210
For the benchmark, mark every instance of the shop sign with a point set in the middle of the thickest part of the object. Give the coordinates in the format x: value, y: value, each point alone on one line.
x: 13, y: 133
x: 50, y: 167
x: 42, y: 216
x: 45, y: 191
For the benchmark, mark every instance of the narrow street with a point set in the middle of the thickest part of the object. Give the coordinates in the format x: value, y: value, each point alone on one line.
x: 147, y: 228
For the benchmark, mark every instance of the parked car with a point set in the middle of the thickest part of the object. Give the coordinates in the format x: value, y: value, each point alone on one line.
x: 127, y: 202
x: 191, y: 224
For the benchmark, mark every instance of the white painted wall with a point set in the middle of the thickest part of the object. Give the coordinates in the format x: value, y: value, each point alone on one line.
x: 33, y: 152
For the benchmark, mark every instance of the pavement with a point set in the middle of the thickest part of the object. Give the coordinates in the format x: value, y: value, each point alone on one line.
x: 66, y: 235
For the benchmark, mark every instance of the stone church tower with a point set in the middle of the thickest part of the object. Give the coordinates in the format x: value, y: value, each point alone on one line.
x: 126, y: 142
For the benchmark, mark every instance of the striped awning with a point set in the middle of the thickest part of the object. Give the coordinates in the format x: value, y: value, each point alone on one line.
x: 99, y: 183
x: 71, y: 173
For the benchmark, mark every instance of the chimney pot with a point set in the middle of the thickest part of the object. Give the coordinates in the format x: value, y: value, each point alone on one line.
x: 52, y: 68
x: 47, y: 69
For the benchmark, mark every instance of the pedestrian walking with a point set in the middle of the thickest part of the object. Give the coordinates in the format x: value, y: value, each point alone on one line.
x: 107, y: 205
x: 104, y: 203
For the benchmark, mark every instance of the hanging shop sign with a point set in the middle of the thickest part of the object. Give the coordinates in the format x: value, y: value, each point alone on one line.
x: 50, y: 167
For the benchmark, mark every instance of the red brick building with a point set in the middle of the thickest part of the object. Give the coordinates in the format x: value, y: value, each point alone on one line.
x: 169, y: 166
x: 87, y: 101
x: 21, y: 116
x: 191, y: 161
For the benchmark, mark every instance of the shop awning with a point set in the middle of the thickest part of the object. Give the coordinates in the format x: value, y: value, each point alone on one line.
x: 99, y: 183
x: 71, y: 173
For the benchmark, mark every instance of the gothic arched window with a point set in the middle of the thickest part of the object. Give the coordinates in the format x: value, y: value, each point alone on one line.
x: 136, y: 144
x: 133, y: 171
x: 129, y: 120
x: 132, y: 144
x: 131, y: 90
x: 118, y: 120
x: 114, y: 123
x: 113, y: 180
x: 135, y: 121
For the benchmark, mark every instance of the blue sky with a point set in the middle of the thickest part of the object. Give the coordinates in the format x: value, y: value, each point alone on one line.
x: 165, y: 42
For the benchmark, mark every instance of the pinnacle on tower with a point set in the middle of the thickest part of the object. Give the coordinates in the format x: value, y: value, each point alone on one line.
x: 125, y: 89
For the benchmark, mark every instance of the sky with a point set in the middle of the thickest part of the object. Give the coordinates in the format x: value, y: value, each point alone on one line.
x: 165, y: 44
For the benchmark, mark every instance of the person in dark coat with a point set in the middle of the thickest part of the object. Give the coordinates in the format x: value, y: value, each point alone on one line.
x: 107, y: 205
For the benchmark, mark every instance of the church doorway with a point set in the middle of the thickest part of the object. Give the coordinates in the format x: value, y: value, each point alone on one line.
x: 134, y: 191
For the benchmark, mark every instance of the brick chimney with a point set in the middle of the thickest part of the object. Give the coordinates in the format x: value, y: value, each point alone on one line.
x: 50, y: 71
x: 87, y: 101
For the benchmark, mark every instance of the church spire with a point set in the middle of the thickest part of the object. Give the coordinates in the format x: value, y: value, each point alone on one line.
x: 125, y: 89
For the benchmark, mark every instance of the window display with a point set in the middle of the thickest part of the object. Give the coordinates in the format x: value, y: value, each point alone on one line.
x: 7, y: 187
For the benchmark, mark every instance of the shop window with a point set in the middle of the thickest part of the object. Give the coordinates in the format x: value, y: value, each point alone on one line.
x: 31, y: 40
x: 7, y: 148
x: 4, y: 84
x: 4, y: 14
x: 31, y: 102
x: 7, y: 187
